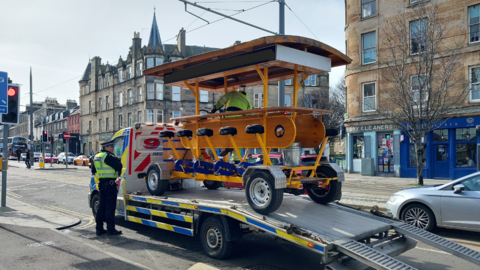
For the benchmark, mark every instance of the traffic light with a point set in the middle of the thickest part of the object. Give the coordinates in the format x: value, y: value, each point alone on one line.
x: 13, y: 97
x: 45, y: 136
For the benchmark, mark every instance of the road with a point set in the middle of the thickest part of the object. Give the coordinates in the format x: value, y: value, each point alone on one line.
x: 146, y: 247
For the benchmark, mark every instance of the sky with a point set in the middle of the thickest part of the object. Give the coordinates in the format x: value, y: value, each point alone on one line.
x: 56, y: 38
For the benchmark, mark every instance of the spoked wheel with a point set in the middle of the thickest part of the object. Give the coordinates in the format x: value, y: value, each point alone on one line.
x: 325, y: 194
x: 261, y: 193
x: 212, y: 184
x: 419, y: 216
x: 213, y: 239
x: 155, y: 185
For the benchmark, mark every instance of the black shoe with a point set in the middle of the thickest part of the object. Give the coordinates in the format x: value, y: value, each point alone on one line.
x: 100, y: 232
x: 114, y: 232
x: 225, y: 152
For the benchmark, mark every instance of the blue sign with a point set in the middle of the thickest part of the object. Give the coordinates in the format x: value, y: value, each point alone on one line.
x: 3, y: 92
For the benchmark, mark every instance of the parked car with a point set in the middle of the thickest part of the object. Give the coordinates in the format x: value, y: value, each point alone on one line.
x: 63, y: 158
x: 36, y: 156
x: 23, y: 156
x: 49, y: 157
x: 455, y: 205
x: 82, y: 160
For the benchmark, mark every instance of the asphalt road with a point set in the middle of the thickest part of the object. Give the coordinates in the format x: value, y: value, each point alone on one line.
x: 145, y: 247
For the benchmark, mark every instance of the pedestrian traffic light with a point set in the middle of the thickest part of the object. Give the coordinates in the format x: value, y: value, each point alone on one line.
x: 45, y: 136
x: 13, y: 98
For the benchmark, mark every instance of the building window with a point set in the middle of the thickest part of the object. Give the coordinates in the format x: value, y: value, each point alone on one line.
x: 466, y: 149
x: 99, y: 125
x: 107, y: 102
x: 130, y: 97
x: 385, y: 153
x: 150, y: 62
x: 287, y: 100
x: 258, y: 100
x: 288, y: 82
x: 474, y: 22
x: 120, y: 121
x: 176, y: 93
x: 120, y: 76
x: 89, y: 106
x: 89, y: 127
x: 307, y: 81
x: 368, y: 8
x: 158, y: 61
x: 140, y: 117
x: 139, y: 94
x: 120, y: 99
x: 369, y: 51
x: 100, y: 105
x: 413, y: 156
x: 151, y: 116
x: 313, y: 80
x: 160, y: 116
x: 159, y: 91
x: 129, y: 119
x: 107, y: 124
x: 368, y: 90
x: 90, y: 150
x: 100, y: 83
x: 150, y: 91
x: 414, y: 1
x: 176, y: 114
x: 418, y: 36
x: 129, y: 72
x: 475, y: 83
x: 203, y: 112
x: 203, y: 96
x: 417, y: 84
x: 107, y: 80
x: 139, y: 69
x: 440, y: 135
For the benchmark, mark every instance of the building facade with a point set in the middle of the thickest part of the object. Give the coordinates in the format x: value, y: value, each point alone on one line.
x: 368, y: 136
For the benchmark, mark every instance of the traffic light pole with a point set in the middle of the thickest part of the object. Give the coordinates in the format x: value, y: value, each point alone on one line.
x: 66, y: 156
x: 6, y: 128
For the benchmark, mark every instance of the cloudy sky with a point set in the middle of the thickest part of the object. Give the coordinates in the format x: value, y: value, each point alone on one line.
x: 57, y: 37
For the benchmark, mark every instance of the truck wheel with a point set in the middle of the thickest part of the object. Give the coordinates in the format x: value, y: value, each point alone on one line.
x: 95, y: 204
x: 212, y: 184
x: 333, y: 192
x: 419, y: 216
x: 261, y: 193
x: 155, y: 185
x: 213, y: 239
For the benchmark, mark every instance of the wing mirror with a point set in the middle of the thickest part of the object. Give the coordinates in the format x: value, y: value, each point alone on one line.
x: 458, y: 188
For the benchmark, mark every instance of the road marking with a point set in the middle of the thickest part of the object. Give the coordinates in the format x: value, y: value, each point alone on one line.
x: 58, y: 209
x: 13, y: 194
x: 39, y: 187
x: 89, y: 220
x: 433, y: 250
x: 42, y: 244
x: 202, y: 266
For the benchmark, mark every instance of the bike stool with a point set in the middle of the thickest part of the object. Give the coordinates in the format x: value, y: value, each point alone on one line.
x: 184, y: 133
x: 206, y: 132
x: 255, y: 129
x: 167, y: 134
x: 230, y: 132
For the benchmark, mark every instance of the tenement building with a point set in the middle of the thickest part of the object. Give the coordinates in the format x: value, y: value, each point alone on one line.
x: 447, y: 148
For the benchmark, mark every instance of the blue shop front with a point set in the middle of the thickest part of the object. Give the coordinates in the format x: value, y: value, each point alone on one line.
x: 451, y: 150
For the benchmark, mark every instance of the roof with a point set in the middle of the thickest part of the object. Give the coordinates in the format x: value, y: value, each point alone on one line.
x: 238, y: 63
x: 154, y: 39
x: 85, y: 76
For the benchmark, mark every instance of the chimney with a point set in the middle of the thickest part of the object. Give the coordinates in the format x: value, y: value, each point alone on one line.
x: 181, y: 42
x: 96, y: 63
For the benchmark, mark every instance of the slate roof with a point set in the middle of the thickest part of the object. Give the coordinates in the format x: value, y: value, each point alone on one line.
x: 154, y: 39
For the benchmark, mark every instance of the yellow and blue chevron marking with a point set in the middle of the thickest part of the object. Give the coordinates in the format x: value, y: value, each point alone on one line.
x: 161, y: 225
x: 164, y: 202
x: 160, y: 214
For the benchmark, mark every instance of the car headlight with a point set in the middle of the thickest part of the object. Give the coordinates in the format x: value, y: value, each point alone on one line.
x: 395, y: 197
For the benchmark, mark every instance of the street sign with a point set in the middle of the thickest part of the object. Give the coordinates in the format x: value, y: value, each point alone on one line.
x: 3, y: 92
x: 66, y: 136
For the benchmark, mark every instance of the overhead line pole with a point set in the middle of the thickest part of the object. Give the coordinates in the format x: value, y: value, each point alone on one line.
x: 281, y: 84
x: 31, y: 138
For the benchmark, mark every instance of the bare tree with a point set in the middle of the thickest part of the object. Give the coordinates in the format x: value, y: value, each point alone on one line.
x: 420, y: 63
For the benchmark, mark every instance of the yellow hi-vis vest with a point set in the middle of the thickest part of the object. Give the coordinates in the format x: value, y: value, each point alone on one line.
x: 103, y: 170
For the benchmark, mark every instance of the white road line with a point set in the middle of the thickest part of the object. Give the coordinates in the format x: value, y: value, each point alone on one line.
x: 202, y: 266
x: 433, y: 250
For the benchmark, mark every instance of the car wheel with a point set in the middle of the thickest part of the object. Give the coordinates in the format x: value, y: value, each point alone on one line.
x: 212, y: 184
x: 261, y: 193
x: 330, y: 193
x: 95, y: 204
x: 155, y: 185
x: 420, y: 216
x: 213, y: 238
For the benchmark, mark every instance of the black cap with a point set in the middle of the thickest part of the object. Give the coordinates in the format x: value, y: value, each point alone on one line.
x: 108, y: 143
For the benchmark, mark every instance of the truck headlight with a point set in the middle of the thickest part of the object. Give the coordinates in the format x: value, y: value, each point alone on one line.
x: 395, y: 197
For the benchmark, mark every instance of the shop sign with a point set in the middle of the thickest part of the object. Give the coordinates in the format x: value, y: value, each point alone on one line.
x: 105, y: 136
x: 370, y: 128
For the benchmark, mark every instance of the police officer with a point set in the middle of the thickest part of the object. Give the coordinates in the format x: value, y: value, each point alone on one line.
x: 107, y: 167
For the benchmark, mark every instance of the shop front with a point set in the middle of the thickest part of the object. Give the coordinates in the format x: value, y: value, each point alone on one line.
x: 450, y: 153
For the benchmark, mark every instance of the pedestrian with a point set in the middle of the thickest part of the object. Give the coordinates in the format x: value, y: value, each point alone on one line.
x: 108, y: 168
x: 19, y: 155
x: 27, y: 159
x: 470, y: 162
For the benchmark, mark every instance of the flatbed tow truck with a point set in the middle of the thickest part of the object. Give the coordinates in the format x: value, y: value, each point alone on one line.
x: 155, y: 158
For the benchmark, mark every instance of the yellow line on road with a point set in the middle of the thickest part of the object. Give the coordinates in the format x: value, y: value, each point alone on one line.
x: 66, y: 211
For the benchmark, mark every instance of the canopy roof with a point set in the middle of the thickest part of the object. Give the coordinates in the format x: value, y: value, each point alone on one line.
x: 237, y: 64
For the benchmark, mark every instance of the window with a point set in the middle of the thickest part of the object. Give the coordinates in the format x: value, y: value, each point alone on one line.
x: 160, y: 116
x: 414, y: 1
x: 99, y: 125
x: 288, y: 82
x: 176, y: 114
x: 100, y: 104
x: 418, y: 36
x: 107, y: 102
x: 413, y: 156
x: 203, y: 113
x: 158, y: 61
x: 368, y: 8
x: 150, y: 91
x: 107, y: 80
x: 465, y: 134
x: 89, y: 106
x: 203, y: 96
x: 120, y: 76
x: 107, y: 124
x: 474, y: 83
x: 151, y: 116
x: 130, y: 97
x: 159, y: 91
x: 368, y: 97
x: 129, y: 119
x: 120, y: 121
x: 100, y: 83
x: 150, y: 62
x: 418, y: 86
x: 118, y: 146
x: 472, y: 184
x: 89, y: 127
x: 307, y: 81
x: 466, y: 147
x: 139, y: 95
x: 369, y: 51
x: 140, y: 117
x: 258, y: 100
x: 287, y: 100
x: 129, y: 72
x: 440, y: 135
x: 474, y: 22
x: 176, y: 96
x: 139, y: 69
x: 120, y: 99
x: 313, y: 80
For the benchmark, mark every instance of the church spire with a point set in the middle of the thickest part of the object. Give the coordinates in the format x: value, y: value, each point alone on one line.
x: 154, y: 39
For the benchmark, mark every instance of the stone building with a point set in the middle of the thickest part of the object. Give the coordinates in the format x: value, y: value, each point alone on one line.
x: 117, y: 96
x: 367, y: 134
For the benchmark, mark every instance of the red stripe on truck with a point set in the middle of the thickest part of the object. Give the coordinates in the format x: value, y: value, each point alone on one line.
x: 144, y: 164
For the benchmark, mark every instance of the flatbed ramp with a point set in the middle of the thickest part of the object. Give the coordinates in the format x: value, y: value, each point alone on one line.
x: 326, y: 229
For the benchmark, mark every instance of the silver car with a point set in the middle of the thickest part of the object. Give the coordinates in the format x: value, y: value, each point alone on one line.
x: 453, y: 205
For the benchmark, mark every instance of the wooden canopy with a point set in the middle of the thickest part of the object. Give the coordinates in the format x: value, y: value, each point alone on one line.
x: 238, y: 66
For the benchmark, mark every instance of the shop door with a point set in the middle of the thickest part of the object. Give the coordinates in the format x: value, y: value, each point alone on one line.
x: 441, y: 164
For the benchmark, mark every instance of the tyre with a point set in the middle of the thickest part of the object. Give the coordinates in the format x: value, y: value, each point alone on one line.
x: 420, y: 216
x: 261, y: 193
x: 213, y: 239
x: 328, y: 194
x: 212, y: 184
x: 95, y: 204
x: 155, y: 185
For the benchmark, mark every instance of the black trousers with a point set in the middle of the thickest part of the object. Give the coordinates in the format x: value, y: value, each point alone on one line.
x: 108, y: 202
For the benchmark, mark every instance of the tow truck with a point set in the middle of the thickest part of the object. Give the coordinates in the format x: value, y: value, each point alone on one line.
x: 159, y: 158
